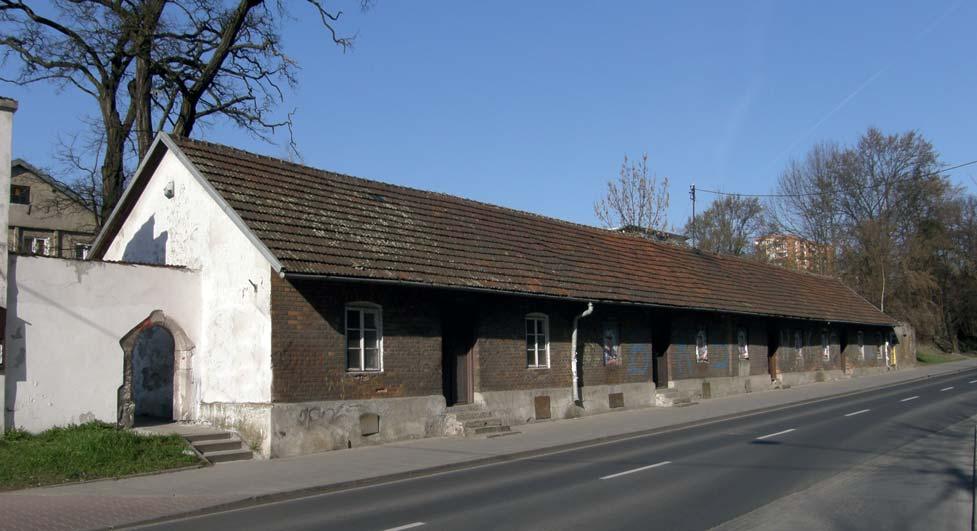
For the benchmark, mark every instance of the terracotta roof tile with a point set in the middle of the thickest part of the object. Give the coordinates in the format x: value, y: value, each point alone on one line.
x: 322, y: 223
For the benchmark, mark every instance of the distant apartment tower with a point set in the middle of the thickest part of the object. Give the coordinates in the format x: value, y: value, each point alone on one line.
x: 45, y: 217
x: 788, y: 250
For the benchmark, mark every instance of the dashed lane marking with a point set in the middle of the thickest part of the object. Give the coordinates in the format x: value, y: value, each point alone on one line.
x: 632, y: 471
x: 405, y: 526
x: 859, y: 412
x: 769, y: 435
x: 907, y: 399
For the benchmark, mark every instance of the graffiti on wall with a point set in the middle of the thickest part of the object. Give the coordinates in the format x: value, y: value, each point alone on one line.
x: 612, y: 345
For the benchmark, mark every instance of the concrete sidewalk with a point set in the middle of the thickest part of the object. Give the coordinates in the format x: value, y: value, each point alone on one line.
x: 118, y: 502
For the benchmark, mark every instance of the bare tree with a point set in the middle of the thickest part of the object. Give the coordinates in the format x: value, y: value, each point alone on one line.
x: 890, y: 213
x: 729, y: 225
x: 157, y: 65
x: 808, y: 205
x: 635, y: 199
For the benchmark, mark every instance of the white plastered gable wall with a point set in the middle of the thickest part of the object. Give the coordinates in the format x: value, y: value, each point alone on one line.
x: 232, y: 360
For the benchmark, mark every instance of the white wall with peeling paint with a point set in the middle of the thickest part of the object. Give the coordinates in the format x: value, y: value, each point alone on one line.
x: 64, y: 322
x: 233, y: 358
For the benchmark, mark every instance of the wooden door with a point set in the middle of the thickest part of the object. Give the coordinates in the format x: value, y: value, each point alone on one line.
x: 457, y: 343
x: 660, y: 340
x: 773, y: 344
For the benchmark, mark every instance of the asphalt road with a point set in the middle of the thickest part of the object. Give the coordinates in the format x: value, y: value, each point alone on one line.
x: 694, y: 478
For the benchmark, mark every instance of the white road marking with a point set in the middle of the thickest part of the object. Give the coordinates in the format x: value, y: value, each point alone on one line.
x: 972, y: 381
x: 946, y: 389
x: 656, y: 465
x: 909, y: 398
x: 859, y: 412
x: 774, y: 434
x: 405, y: 526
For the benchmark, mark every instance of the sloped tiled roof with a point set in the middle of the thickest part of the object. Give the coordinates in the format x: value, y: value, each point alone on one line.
x: 322, y: 223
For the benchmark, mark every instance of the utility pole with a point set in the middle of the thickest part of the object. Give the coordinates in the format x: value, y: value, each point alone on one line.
x: 692, y: 196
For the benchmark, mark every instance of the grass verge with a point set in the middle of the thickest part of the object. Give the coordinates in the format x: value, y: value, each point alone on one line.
x: 87, y: 451
x: 929, y: 354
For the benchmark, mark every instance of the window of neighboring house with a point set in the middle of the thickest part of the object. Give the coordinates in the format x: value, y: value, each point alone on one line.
x: 41, y: 246
x: 701, y: 346
x: 861, y: 345
x: 364, y: 337
x: 537, y: 341
x: 826, y: 345
x: 20, y: 194
x: 743, y: 343
x: 799, y: 344
x: 81, y: 250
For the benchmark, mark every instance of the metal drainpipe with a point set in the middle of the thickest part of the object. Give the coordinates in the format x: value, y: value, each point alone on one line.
x: 573, y: 350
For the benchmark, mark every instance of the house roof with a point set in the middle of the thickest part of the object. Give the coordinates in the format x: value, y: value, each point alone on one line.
x: 319, y: 223
x: 51, y: 181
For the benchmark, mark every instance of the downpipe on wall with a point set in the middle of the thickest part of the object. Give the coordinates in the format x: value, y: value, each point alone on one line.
x: 575, y: 378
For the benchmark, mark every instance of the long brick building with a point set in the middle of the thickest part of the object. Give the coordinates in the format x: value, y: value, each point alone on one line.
x: 338, y: 311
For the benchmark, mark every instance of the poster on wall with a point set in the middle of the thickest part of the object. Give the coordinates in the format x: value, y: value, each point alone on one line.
x: 612, y: 348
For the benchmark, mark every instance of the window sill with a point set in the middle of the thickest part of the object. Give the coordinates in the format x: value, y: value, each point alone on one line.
x: 364, y: 371
x: 537, y: 367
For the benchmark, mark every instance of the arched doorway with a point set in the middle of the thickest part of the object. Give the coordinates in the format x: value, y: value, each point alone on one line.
x: 157, y: 377
x: 152, y: 373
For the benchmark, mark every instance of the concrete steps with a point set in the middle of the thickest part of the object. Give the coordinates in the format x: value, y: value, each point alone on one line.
x: 478, y: 421
x: 219, y: 446
x: 669, y: 397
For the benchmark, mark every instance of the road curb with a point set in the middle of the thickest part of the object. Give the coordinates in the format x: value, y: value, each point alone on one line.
x: 264, y: 499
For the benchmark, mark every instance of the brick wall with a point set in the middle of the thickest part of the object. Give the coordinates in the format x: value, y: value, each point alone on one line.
x: 872, y: 356
x: 501, y: 350
x: 308, y: 342
x: 721, y: 334
x: 633, y: 328
x: 501, y: 345
x: 309, y: 361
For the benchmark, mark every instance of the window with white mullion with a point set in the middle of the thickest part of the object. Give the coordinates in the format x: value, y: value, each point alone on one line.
x: 364, y: 339
x: 537, y: 345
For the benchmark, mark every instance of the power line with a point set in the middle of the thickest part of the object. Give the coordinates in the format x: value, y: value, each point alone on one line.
x: 811, y: 194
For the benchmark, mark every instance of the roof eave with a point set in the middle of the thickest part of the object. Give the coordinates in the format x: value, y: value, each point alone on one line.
x: 472, y: 289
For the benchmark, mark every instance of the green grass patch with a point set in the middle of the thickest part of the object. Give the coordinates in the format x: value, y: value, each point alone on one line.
x: 87, y: 451
x: 930, y: 354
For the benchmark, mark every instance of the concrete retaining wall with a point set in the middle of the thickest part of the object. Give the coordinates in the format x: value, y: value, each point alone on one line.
x: 308, y: 427
x: 518, y: 406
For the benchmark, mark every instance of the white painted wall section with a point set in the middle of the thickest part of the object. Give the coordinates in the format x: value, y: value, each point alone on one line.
x: 64, y: 322
x: 233, y: 358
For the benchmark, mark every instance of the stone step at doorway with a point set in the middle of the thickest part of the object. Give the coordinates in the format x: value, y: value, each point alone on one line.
x: 669, y: 397
x: 477, y: 421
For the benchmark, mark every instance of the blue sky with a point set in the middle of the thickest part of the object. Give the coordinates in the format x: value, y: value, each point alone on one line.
x: 532, y: 105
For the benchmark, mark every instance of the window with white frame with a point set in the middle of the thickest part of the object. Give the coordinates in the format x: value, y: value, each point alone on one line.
x: 41, y: 246
x: 743, y: 344
x: 861, y: 345
x: 82, y: 250
x: 364, y: 337
x: 537, y: 341
x: 799, y: 344
x: 825, y: 345
x: 702, y: 346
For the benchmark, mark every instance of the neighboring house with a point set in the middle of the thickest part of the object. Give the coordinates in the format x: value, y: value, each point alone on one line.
x: 45, y: 217
x: 336, y: 311
x: 788, y: 250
